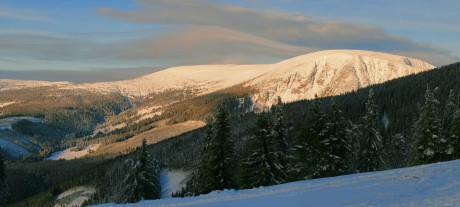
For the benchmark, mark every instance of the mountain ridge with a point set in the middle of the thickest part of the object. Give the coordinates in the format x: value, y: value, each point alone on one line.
x: 334, y: 72
x: 320, y: 73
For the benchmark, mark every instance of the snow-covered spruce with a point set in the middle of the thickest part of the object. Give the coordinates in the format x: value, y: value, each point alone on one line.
x: 143, y: 178
x: 371, y: 150
x: 428, y: 134
x: 308, y: 154
x: 261, y: 156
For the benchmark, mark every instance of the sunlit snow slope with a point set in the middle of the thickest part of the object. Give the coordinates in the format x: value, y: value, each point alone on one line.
x: 329, y: 73
x: 428, y: 185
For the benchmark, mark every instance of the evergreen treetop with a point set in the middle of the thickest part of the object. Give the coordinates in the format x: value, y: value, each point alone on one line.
x: 3, y: 185
x: 261, y: 156
x: 428, y: 132
x: 222, y: 160
x: 371, y: 152
x: 308, y: 152
x: 336, y: 143
x: 454, y: 139
x: 143, y: 178
x: 279, y: 127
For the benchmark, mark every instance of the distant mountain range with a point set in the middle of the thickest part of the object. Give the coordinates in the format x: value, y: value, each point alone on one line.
x: 324, y: 73
x: 147, y: 106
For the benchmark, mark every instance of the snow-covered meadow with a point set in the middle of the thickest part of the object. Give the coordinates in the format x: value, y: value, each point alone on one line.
x: 72, y: 153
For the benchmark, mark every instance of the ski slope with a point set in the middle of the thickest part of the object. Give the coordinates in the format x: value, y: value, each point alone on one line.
x: 428, y: 185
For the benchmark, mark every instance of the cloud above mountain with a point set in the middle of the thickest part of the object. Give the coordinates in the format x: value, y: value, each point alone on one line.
x: 245, y: 29
x: 164, y: 33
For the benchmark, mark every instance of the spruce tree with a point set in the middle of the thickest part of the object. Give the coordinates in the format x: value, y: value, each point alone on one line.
x: 222, y: 161
x: 449, y: 113
x: 3, y: 185
x: 216, y: 167
x: 336, y: 144
x: 398, y: 152
x: 428, y: 132
x: 280, y: 134
x: 308, y: 155
x: 279, y: 127
x: 199, y: 182
x: 371, y: 152
x: 150, y: 172
x: 143, y: 178
x: 454, y: 140
x: 448, y: 121
x: 354, y: 139
x: 261, y: 156
x: 131, y: 193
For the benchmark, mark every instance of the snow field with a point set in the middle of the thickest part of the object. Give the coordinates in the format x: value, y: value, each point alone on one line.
x: 70, y: 153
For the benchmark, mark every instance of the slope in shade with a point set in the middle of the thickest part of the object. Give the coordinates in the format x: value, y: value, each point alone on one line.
x: 428, y: 185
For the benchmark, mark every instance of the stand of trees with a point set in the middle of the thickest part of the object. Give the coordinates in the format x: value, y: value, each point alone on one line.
x: 261, y: 164
x: 68, y: 113
x: 143, y: 178
x: 436, y: 134
x: 3, y: 184
x: 216, y: 168
x: 327, y: 145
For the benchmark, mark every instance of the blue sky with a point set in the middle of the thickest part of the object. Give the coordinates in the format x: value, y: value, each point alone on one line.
x: 81, y: 40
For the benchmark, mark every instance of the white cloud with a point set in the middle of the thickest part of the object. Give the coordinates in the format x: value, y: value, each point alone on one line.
x: 200, y: 32
x: 283, y: 28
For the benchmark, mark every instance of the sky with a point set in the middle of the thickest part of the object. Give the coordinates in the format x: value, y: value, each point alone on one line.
x: 104, y: 40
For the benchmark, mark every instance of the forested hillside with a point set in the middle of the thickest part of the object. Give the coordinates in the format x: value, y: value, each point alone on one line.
x: 67, y: 114
x: 399, y: 104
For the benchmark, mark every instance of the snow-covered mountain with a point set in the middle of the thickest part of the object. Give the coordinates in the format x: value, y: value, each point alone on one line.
x: 427, y: 185
x: 329, y: 73
x: 324, y: 73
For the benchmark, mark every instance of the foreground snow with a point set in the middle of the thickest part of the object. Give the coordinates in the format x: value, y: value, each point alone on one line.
x: 428, y: 185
